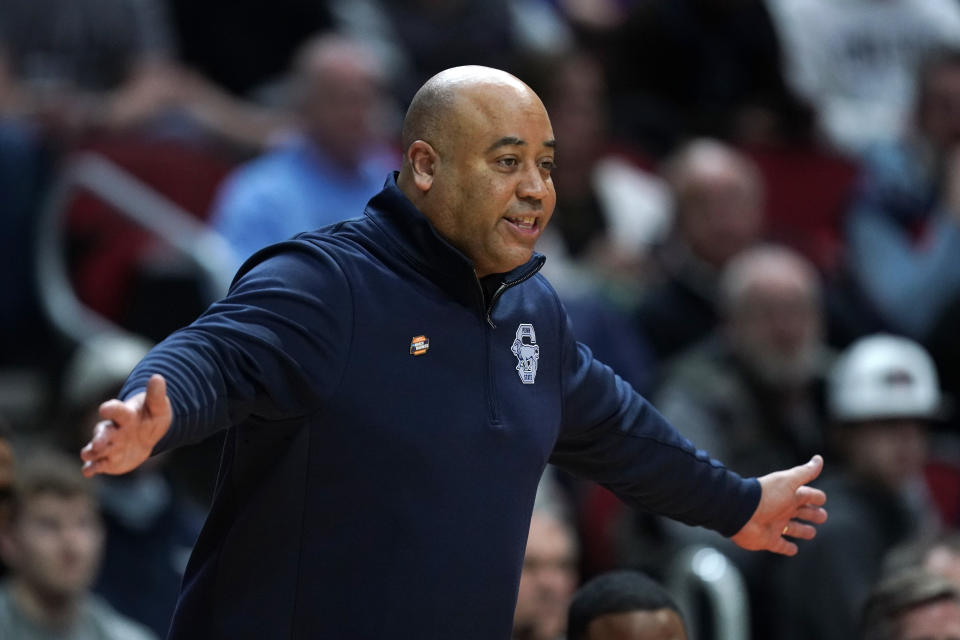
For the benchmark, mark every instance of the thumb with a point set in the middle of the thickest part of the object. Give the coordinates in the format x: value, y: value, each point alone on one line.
x: 156, y: 399
x: 807, y: 473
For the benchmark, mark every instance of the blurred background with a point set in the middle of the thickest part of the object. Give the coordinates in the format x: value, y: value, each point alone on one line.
x: 758, y: 226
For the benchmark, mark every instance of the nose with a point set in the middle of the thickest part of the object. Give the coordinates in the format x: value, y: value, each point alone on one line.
x: 533, y: 185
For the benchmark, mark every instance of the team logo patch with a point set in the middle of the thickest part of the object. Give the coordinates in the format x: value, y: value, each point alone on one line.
x: 419, y: 345
x: 527, y: 350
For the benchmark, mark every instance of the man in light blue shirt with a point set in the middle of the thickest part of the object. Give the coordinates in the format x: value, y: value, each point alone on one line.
x: 329, y: 169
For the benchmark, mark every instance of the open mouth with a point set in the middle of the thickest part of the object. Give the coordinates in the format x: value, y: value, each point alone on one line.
x: 524, y: 223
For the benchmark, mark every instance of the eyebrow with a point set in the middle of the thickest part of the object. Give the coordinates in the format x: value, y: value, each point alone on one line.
x: 513, y: 141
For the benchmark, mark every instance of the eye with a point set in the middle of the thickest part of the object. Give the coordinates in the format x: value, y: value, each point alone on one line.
x: 508, y: 162
x: 547, y: 165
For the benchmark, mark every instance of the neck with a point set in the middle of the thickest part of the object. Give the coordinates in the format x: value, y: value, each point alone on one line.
x: 53, y: 610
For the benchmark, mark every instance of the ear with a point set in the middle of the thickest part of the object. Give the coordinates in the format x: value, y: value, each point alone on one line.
x: 423, y: 162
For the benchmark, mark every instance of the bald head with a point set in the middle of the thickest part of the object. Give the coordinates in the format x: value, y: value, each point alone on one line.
x: 438, y: 107
x: 478, y: 157
x: 771, y: 296
x: 337, y: 88
x: 719, y: 199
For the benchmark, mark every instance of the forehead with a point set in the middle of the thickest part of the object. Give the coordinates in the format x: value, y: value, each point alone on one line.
x: 491, y: 113
x: 54, y: 505
x: 548, y: 537
x: 662, y: 624
x: 935, y: 621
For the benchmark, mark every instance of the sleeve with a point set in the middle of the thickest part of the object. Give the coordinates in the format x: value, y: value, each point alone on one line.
x: 612, y: 435
x: 274, y: 348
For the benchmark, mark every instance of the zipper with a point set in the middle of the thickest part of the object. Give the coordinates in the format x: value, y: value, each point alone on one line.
x: 488, y: 311
x: 493, y: 406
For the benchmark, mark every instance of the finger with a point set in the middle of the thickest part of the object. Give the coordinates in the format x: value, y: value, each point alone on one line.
x: 93, y: 467
x: 156, y: 399
x: 808, y: 496
x: 784, y: 547
x: 101, y: 441
x: 815, y: 515
x: 117, y: 411
x: 807, y: 473
x: 799, y: 530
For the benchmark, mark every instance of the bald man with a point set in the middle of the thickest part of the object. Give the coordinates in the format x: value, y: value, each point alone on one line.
x: 392, y: 388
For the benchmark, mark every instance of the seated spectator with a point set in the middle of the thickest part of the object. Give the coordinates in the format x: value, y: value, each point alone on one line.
x: 749, y: 394
x: 718, y: 205
x: 855, y: 61
x: 912, y: 606
x: 329, y: 170
x: 52, y: 545
x: 549, y: 575
x: 903, y: 230
x: 624, y: 605
x: 882, y: 392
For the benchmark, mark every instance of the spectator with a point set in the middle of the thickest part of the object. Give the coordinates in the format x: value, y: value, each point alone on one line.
x: 749, y: 394
x: 912, y: 606
x: 53, y: 546
x: 855, y: 61
x: 903, y: 230
x: 328, y: 171
x: 548, y: 578
x: 882, y: 391
x: 624, y: 605
x: 718, y: 204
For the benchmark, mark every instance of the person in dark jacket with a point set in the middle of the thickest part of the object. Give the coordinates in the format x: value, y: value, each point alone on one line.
x: 392, y: 388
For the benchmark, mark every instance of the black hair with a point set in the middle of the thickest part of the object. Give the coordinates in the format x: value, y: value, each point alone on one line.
x: 615, y: 592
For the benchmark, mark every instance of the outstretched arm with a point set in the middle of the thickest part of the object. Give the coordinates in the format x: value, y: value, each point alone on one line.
x: 125, y: 437
x: 787, y: 508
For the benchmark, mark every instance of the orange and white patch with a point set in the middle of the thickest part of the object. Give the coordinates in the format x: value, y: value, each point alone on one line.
x: 419, y: 345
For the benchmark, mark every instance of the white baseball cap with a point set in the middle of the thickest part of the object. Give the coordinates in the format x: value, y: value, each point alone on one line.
x: 883, y: 376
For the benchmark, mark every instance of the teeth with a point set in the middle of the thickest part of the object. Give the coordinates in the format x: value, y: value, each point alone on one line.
x: 524, y: 222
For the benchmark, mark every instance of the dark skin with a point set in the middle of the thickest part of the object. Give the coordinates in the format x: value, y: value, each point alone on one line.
x: 477, y: 165
x: 660, y: 624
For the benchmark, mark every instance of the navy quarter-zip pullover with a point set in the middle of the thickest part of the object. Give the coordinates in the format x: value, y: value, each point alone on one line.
x: 388, y: 424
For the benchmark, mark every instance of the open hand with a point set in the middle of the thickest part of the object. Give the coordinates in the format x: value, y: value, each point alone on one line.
x: 125, y: 437
x: 788, y: 509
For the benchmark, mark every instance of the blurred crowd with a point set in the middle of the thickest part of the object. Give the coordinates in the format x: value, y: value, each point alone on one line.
x: 758, y: 226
